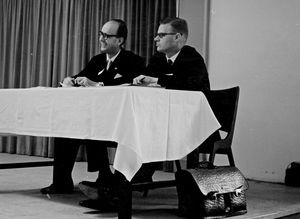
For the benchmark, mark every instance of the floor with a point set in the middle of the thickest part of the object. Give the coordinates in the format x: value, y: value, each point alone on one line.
x: 20, y: 197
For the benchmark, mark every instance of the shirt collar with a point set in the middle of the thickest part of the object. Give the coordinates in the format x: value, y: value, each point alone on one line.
x: 112, y: 58
x: 173, y: 57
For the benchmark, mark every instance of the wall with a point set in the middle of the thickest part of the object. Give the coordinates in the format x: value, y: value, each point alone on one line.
x: 256, y: 45
x: 195, y: 13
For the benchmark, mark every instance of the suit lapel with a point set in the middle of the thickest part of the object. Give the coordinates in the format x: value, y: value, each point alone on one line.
x: 102, y: 64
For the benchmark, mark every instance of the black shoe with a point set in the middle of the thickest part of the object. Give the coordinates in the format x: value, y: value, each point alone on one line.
x: 98, y: 205
x: 90, y: 184
x: 52, y: 189
x: 89, y: 189
x: 144, y: 174
x: 101, y: 181
x: 97, y: 190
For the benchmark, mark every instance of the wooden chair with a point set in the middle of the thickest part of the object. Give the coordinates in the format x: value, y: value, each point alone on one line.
x: 224, y: 104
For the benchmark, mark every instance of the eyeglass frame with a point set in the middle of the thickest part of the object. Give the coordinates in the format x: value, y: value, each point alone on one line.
x: 106, y: 36
x: 162, y: 35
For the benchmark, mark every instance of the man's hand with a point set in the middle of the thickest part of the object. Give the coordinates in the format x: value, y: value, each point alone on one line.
x: 85, y: 82
x: 144, y: 80
x: 67, y: 82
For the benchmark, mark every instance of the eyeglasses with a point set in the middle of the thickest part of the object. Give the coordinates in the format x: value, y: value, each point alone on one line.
x: 106, y: 36
x: 162, y: 35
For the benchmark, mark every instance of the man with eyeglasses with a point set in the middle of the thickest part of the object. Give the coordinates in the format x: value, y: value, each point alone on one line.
x: 176, y: 65
x: 114, y: 66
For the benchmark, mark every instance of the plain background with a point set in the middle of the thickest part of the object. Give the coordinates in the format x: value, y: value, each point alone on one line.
x: 255, y: 45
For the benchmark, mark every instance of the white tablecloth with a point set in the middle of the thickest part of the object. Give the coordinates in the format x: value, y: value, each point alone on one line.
x: 149, y: 124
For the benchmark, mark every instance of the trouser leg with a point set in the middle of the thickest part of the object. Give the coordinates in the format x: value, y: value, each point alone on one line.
x: 146, y: 172
x: 65, y: 152
x: 97, y: 157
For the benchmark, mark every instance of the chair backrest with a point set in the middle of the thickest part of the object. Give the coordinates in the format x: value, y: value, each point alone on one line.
x: 224, y: 104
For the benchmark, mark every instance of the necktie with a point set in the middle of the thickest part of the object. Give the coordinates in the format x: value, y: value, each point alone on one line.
x: 170, y: 62
x: 108, y: 64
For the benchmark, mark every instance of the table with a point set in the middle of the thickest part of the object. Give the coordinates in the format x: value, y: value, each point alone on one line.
x: 149, y: 124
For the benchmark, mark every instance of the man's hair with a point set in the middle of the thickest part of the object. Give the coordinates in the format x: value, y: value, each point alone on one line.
x: 122, y: 29
x: 178, y: 24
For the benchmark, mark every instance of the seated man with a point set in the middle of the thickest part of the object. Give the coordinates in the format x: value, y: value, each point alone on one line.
x: 176, y: 65
x: 114, y: 66
x: 186, y: 72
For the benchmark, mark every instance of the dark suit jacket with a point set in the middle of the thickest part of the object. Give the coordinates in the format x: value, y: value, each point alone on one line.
x: 127, y: 65
x: 124, y: 68
x: 188, y: 71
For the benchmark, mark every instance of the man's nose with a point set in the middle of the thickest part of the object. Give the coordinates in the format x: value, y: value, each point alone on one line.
x: 101, y: 38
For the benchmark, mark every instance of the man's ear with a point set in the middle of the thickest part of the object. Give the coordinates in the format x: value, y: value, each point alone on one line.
x: 121, y: 41
x: 178, y: 36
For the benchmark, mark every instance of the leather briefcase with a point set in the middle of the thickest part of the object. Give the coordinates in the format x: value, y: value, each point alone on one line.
x: 211, y: 192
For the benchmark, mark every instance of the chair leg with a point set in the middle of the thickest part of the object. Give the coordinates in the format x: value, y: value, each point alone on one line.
x: 178, y: 166
x: 230, y: 158
x: 212, y: 158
